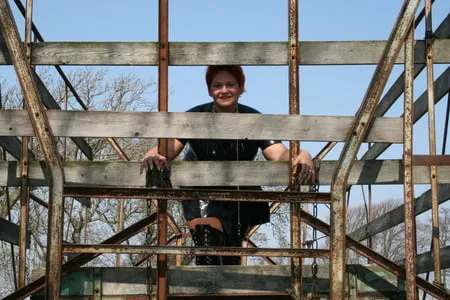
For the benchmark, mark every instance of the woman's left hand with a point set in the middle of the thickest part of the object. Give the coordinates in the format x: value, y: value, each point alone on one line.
x: 304, y: 168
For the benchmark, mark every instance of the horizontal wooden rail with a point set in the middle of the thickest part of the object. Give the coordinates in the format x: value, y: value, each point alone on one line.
x: 198, y: 125
x: 206, y: 53
x: 397, y: 215
x: 244, y: 173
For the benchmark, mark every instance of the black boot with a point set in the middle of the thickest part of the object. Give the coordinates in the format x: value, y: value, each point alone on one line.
x: 205, y: 235
x: 231, y: 260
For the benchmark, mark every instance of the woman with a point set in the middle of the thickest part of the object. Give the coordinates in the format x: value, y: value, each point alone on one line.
x: 219, y: 223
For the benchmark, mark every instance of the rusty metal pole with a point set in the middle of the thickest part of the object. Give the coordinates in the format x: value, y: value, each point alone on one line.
x: 44, y: 133
x: 163, y: 94
x: 361, y: 124
x: 432, y: 142
x: 294, y: 146
x: 24, y: 169
x: 120, y: 225
x: 408, y: 187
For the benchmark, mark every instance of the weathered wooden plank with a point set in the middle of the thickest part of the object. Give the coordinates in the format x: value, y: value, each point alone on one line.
x: 397, y: 215
x: 47, y: 99
x: 199, y: 125
x: 275, y: 281
x: 216, y: 173
x: 441, y: 88
x: 206, y: 53
x: 13, y: 146
x: 50, y: 103
x: 9, y: 232
x: 442, y: 32
x: 424, y: 261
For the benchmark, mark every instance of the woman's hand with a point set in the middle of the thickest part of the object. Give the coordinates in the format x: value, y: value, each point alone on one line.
x: 304, y: 168
x: 152, y: 159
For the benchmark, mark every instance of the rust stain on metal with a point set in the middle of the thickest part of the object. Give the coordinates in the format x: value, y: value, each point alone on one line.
x: 192, y: 194
x: 45, y: 136
x: 353, y: 142
x: 378, y: 259
x: 410, y: 237
x: 174, y: 250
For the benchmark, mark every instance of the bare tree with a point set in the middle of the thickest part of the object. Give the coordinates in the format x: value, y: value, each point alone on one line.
x: 99, y: 91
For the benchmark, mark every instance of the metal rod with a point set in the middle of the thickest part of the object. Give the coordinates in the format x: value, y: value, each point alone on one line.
x: 447, y: 115
x: 120, y: 225
x: 408, y: 185
x: 294, y: 146
x: 266, y: 258
x: 430, y: 160
x: 192, y: 194
x: 171, y: 221
x: 174, y: 250
x: 163, y: 93
x: 325, y: 150
x: 82, y: 259
x: 146, y: 257
x: 354, y: 139
x: 43, y: 131
x: 432, y: 141
x: 378, y: 259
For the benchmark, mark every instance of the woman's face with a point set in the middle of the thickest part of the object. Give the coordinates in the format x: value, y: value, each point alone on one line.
x: 225, y: 91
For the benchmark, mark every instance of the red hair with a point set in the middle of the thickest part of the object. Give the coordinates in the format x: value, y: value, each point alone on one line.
x: 234, y: 70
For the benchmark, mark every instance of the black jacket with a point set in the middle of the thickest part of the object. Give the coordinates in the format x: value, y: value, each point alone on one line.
x: 227, y: 150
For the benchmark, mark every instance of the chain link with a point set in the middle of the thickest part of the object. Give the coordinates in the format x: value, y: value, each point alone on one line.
x: 315, y: 244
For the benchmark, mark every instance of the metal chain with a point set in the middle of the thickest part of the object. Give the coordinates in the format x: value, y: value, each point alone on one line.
x: 238, y: 225
x: 315, y: 245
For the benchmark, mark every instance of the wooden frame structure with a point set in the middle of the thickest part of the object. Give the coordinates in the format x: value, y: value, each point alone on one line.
x: 367, y: 126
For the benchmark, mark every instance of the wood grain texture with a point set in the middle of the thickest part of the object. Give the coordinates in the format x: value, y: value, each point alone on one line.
x: 207, y: 53
x: 199, y: 125
x: 216, y: 173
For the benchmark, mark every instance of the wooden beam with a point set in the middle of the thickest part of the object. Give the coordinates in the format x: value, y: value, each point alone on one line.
x: 216, y: 282
x: 441, y: 88
x: 397, y: 88
x: 424, y: 261
x: 47, y: 99
x: 50, y: 103
x: 9, y: 232
x: 397, y: 215
x: 13, y: 146
x: 206, y: 53
x: 243, y: 173
x: 199, y: 125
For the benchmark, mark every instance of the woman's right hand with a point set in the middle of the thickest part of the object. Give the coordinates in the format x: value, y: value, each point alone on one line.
x: 152, y: 159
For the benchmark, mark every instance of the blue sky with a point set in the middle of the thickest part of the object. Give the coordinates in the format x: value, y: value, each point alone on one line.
x: 324, y: 90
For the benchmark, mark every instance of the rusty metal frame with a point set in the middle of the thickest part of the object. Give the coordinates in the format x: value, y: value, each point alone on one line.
x: 361, y: 125
x: 353, y: 142
x: 192, y: 194
x: 163, y: 95
x: 375, y: 257
x: 294, y: 146
x: 432, y: 142
x: 175, y: 250
x: 408, y: 184
x: 82, y: 259
x: 44, y: 133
